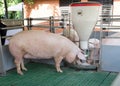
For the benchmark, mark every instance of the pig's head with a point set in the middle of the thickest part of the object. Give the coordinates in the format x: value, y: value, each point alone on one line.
x: 80, y: 57
x: 75, y: 59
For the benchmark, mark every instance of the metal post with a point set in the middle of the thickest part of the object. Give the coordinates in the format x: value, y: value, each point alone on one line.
x: 30, y: 23
x: 63, y: 22
x: 52, y: 29
x: 6, y: 10
x: 2, y: 63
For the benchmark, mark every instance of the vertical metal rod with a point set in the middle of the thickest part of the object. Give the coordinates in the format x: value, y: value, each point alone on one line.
x: 30, y: 23
x: 50, y: 23
x: 6, y: 10
x: 63, y: 22
x: 2, y: 64
x: 101, y: 36
x: 52, y: 29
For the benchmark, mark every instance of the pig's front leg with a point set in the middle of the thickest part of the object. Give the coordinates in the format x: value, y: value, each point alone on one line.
x: 57, y: 63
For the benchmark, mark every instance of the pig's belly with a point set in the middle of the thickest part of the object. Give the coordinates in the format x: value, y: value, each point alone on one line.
x: 42, y: 53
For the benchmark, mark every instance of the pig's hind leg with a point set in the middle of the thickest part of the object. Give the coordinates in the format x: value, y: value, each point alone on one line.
x: 23, y: 66
x: 18, y: 65
x: 18, y: 55
x: 19, y: 62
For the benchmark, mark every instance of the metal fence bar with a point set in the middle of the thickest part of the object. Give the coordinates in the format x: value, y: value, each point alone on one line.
x: 11, y: 28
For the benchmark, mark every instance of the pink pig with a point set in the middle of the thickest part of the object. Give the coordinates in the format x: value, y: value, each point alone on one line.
x: 43, y: 45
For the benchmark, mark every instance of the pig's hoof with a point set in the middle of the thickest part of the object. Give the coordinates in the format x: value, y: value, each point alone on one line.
x: 60, y: 71
x: 25, y: 69
x: 21, y: 73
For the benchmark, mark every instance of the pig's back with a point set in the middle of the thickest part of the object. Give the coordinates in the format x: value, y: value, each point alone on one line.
x: 37, y: 37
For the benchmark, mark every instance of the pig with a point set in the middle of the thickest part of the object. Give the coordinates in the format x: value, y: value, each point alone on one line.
x: 38, y: 44
x: 94, y: 47
x: 71, y: 33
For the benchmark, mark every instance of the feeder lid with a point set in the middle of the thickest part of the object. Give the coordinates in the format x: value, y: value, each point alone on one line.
x: 86, y: 4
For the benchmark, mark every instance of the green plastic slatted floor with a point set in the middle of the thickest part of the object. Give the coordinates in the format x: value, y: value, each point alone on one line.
x: 46, y: 75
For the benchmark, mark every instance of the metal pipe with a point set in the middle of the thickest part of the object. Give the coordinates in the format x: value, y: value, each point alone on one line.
x: 52, y: 29
x: 11, y: 28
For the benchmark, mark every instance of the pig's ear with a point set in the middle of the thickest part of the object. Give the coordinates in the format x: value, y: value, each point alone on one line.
x: 81, y: 56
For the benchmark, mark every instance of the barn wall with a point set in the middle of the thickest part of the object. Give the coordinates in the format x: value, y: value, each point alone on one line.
x: 42, y: 8
x: 46, y: 8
